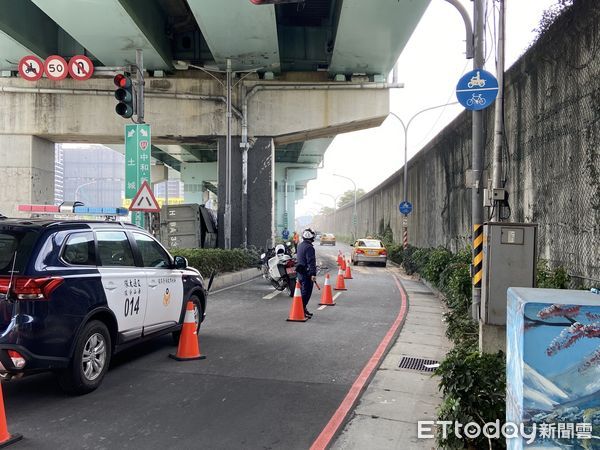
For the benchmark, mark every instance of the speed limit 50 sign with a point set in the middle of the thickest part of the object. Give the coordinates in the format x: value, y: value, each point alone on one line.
x: 56, y: 67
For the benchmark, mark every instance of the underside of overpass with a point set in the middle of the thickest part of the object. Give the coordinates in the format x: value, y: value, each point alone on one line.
x: 304, y: 72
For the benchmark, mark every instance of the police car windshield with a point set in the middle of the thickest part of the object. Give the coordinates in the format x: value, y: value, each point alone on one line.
x: 20, y: 242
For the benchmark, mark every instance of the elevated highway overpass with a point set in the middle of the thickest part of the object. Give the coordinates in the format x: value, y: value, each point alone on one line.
x: 305, y: 72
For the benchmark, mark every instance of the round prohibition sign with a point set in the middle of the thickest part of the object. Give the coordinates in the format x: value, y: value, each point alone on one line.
x: 31, y: 68
x: 56, y: 67
x: 81, y: 67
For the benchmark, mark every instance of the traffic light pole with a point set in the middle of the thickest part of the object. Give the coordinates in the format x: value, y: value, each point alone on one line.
x: 227, y: 215
x: 139, y: 99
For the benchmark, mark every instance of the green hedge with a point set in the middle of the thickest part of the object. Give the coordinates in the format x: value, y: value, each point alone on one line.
x: 209, y: 260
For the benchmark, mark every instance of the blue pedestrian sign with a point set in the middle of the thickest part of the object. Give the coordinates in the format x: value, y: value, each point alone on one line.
x: 405, y: 208
x: 477, y: 89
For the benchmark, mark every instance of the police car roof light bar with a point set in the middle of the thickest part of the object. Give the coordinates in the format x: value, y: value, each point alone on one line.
x: 74, y: 210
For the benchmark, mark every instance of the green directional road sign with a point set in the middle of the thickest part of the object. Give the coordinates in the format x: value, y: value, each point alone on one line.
x: 137, y: 162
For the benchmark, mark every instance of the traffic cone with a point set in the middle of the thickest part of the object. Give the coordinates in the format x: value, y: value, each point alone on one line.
x: 340, y: 285
x: 5, y: 437
x: 326, y: 296
x: 188, y: 348
x: 297, y: 309
x: 348, y: 273
x: 339, y: 258
x: 343, y: 265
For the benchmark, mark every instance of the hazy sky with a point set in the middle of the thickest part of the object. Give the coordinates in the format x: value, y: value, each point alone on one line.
x: 430, y: 66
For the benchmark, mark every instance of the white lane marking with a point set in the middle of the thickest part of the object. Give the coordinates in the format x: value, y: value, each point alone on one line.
x: 321, y: 307
x: 272, y: 295
x: 336, y: 296
x: 234, y: 286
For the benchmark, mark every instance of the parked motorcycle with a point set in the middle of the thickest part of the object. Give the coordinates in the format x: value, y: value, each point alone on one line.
x: 279, y: 268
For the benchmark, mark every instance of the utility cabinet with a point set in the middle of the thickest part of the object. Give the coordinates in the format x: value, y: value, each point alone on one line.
x: 509, y: 260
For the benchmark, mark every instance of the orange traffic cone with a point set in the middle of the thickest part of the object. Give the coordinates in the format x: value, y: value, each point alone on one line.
x: 5, y: 437
x: 348, y: 274
x: 326, y: 296
x: 297, y: 309
x: 340, y: 285
x: 343, y: 265
x: 188, y: 348
x: 339, y: 258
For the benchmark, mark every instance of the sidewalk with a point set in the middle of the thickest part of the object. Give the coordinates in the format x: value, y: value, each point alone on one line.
x: 387, y: 413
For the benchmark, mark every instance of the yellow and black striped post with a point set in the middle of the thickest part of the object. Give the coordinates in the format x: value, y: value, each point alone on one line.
x: 477, y: 255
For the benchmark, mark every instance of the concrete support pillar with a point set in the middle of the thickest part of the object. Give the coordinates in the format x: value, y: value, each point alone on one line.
x: 261, y: 193
x: 193, y: 176
x: 261, y: 160
x: 27, y: 172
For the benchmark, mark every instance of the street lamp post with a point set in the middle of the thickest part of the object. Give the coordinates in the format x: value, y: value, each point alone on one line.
x: 335, y: 199
x: 82, y: 186
x: 354, y: 219
x: 405, y: 128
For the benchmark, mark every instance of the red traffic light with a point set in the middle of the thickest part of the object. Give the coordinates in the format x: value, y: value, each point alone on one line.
x: 122, y: 81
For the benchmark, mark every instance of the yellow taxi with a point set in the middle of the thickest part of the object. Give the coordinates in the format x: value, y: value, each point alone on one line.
x: 327, y: 239
x: 369, y: 250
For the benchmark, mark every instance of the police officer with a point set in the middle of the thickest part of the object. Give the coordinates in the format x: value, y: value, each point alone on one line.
x: 306, y: 267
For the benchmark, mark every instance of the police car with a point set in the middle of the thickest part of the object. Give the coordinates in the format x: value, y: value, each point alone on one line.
x: 73, y: 293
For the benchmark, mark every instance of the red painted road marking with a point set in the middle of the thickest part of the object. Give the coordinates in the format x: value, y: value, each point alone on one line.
x: 332, y: 427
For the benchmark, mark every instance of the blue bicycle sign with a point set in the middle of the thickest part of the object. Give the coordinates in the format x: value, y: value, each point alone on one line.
x: 477, y: 89
x: 405, y: 208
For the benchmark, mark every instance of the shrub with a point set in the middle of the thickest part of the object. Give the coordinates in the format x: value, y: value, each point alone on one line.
x: 208, y: 260
x: 414, y: 259
x: 548, y: 278
x: 473, y: 386
x: 437, y: 260
x: 395, y: 253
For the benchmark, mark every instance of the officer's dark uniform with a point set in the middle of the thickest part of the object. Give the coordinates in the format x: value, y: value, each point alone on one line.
x: 306, y: 268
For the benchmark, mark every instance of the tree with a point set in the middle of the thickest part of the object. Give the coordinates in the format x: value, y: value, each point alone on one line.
x: 325, y: 210
x: 348, y: 197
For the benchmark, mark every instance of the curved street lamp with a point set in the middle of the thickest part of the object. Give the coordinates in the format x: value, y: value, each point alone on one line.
x: 405, y: 128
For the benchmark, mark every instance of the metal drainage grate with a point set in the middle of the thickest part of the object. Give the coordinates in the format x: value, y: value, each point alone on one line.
x: 408, y: 362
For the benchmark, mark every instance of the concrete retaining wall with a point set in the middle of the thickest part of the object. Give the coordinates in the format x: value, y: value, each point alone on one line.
x: 552, y: 117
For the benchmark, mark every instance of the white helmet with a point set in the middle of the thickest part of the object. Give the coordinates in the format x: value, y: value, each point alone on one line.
x: 279, y: 249
x: 308, y: 235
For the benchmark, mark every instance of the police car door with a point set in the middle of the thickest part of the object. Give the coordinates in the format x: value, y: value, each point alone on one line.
x: 124, y: 284
x: 165, y: 285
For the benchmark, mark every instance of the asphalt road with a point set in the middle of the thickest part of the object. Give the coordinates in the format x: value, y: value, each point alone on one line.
x: 266, y: 383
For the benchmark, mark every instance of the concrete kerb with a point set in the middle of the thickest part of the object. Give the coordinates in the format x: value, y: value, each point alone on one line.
x: 231, y: 279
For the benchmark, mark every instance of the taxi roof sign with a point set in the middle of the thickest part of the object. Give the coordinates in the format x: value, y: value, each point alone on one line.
x: 144, y: 200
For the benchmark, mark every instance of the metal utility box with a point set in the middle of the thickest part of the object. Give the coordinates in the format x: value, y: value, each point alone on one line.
x: 188, y: 226
x: 509, y: 260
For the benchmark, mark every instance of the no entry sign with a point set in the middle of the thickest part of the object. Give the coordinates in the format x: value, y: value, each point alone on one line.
x: 31, y: 68
x: 81, y: 67
x: 56, y: 67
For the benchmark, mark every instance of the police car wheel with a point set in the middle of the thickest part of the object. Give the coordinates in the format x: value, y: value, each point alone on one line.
x: 90, y: 360
x: 197, y: 317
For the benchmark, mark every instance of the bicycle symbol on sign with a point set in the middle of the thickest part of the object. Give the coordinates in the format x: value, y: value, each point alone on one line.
x: 476, y: 99
x: 476, y: 81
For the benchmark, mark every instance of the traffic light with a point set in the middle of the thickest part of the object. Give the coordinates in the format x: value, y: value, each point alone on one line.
x: 124, y: 95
